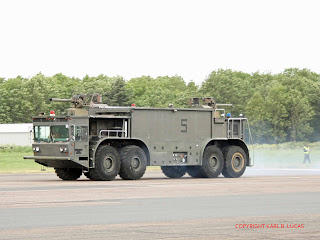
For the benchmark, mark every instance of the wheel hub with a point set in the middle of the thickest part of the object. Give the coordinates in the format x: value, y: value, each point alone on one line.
x: 109, y: 163
x: 213, y: 162
x: 237, y: 162
x: 135, y: 163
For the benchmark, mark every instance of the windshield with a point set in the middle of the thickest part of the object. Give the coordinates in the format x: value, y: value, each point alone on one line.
x: 59, y: 133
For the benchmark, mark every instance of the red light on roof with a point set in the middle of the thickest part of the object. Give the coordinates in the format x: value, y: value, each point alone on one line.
x: 133, y: 105
x: 52, y: 113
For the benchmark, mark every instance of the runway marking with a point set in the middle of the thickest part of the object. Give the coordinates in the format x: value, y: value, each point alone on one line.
x: 285, y: 169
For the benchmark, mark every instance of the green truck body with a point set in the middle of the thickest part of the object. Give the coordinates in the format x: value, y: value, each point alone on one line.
x: 103, y: 141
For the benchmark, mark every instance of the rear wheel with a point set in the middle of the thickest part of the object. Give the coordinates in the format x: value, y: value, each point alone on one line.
x: 173, y: 171
x: 235, y: 163
x: 68, y: 173
x: 212, y: 163
x: 133, y: 162
x: 107, y: 164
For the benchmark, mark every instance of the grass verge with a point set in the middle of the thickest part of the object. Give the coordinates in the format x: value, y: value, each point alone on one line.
x: 13, y: 162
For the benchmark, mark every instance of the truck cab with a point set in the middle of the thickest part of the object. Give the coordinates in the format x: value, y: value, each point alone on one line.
x: 60, y: 141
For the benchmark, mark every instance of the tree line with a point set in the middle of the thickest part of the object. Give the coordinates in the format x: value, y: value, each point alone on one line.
x: 280, y: 107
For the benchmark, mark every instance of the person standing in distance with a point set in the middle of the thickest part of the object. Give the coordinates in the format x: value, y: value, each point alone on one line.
x: 306, y: 151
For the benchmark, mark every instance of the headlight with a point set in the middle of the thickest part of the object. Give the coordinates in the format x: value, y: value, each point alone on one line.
x: 63, y: 149
x: 36, y: 149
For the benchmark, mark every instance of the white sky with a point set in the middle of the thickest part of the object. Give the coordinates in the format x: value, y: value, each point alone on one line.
x: 132, y: 38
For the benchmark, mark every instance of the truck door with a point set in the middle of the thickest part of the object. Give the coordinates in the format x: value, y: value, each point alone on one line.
x: 80, y: 139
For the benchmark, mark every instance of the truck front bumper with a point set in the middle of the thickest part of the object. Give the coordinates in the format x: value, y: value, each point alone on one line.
x: 46, y: 158
x: 55, y: 161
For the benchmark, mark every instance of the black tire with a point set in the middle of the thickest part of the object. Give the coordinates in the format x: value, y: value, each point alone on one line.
x: 68, y: 173
x: 133, y: 162
x: 107, y: 165
x: 194, y: 171
x: 235, y: 162
x: 87, y: 174
x: 212, y: 162
x: 174, y: 171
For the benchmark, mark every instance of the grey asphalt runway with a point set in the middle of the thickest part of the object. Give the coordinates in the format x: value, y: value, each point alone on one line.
x: 278, y: 203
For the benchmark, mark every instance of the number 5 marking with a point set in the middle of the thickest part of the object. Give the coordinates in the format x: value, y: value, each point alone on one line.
x: 184, y: 125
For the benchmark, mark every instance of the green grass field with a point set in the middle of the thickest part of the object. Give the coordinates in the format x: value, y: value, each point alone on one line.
x: 11, y: 160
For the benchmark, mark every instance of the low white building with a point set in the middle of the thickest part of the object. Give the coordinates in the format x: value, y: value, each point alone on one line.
x: 19, y: 134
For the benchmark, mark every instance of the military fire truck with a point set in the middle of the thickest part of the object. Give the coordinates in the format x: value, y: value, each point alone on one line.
x: 103, y: 141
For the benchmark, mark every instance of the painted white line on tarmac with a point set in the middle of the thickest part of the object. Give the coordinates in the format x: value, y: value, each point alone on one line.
x: 283, y: 169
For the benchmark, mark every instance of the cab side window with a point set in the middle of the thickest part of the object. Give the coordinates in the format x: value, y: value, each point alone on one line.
x: 80, y: 133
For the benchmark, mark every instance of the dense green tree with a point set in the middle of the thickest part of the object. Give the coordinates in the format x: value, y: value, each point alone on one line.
x: 276, y: 113
x: 303, y: 104
x: 161, y: 91
x: 118, y: 94
x: 5, y: 117
x: 228, y: 86
x: 256, y: 110
x: 280, y: 107
x: 15, y: 100
x: 88, y: 85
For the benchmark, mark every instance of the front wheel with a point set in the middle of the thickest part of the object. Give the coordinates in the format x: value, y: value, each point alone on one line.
x: 87, y: 174
x: 235, y: 163
x: 68, y: 173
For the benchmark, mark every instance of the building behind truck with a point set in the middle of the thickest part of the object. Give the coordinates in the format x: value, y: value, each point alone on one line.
x: 16, y: 134
x: 103, y: 141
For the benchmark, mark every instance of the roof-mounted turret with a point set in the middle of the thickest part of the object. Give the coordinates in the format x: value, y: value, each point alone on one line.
x: 206, y: 102
x: 81, y: 100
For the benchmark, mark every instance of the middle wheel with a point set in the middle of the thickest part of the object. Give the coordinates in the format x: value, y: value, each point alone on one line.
x: 107, y: 164
x: 133, y: 162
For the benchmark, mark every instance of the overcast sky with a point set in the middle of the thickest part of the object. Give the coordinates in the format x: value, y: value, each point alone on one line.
x: 132, y: 38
